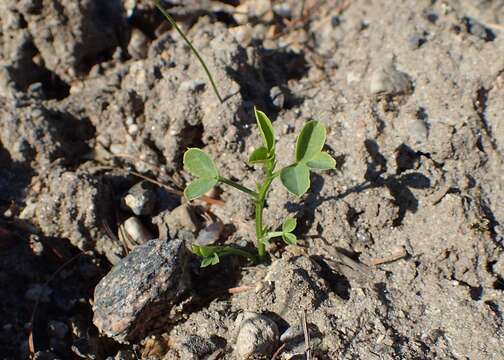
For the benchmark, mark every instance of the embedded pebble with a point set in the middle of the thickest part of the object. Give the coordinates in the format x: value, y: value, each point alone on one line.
x: 283, y: 10
x: 36, y: 245
x: 138, y: 46
x: 419, y: 130
x: 294, y: 340
x: 137, y: 232
x: 388, y: 80
x: 140, y: 199
x: 145, y: 290
x: 277, y: 97
x: 477, y: 29
x: 292, y: 333
x: 210, y: 233
x: 257, y: 335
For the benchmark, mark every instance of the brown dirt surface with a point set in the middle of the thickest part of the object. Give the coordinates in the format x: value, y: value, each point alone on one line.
x: 400, y: 252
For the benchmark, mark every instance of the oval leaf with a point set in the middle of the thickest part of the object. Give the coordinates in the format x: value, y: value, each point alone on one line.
x: 215, y: 259
x: 289, y: 225
x: 199, y: 164
x: 322, y: 161
x: 206, y: 262
x: 296, y: 178
x: 266, y: 130
x: 198, y: 187
x: 289, y: 238
x: 259, y: 155
x: 310, y: 141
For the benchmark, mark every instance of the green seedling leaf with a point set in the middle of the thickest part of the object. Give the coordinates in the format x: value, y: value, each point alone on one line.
x: 322, y: 161
x: 215, y: 259
x: 266, y: 129
x: 198, y: 187
x: 206, y: 262
x: 210, y: 260
x: 296, y: 178
x: 259, y: 155
x: 289, y: 238
x: 205, y: 251
x: 289, y: 225
x: 199, y: 164
x: 310, y: 141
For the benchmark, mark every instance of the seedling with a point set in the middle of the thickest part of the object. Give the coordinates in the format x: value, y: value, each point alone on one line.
x: 295, y: 177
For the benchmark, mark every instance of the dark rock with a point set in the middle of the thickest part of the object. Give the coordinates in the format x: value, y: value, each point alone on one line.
x: 143, y: 291
x: 477, y: 29
x: 196, y: 347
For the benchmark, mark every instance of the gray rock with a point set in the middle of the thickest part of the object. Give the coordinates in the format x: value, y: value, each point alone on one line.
x: 57, y: 329
x: 257, y: 335
x: 143, y: 291
x: 277, y: 97
x: 294, y: 340
x: 210, y: 233
x: 136, y: 231
x: 419, y: 130
x: 283, y: 10
x: 140, y: 199
x: 390, y: 81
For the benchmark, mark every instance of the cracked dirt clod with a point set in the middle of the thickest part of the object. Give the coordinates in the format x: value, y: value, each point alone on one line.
x: 71, y: 36
x: 144, y: 291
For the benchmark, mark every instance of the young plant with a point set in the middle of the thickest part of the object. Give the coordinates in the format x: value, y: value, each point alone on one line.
x: 295, y: 177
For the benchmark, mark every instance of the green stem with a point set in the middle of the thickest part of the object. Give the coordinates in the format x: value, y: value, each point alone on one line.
x: 272, y: 235
x: 174, y: 24
x: 246, y: 190
x: 261, y: 247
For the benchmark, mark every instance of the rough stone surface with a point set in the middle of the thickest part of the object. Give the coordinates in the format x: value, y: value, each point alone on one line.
x: 142, y: 292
